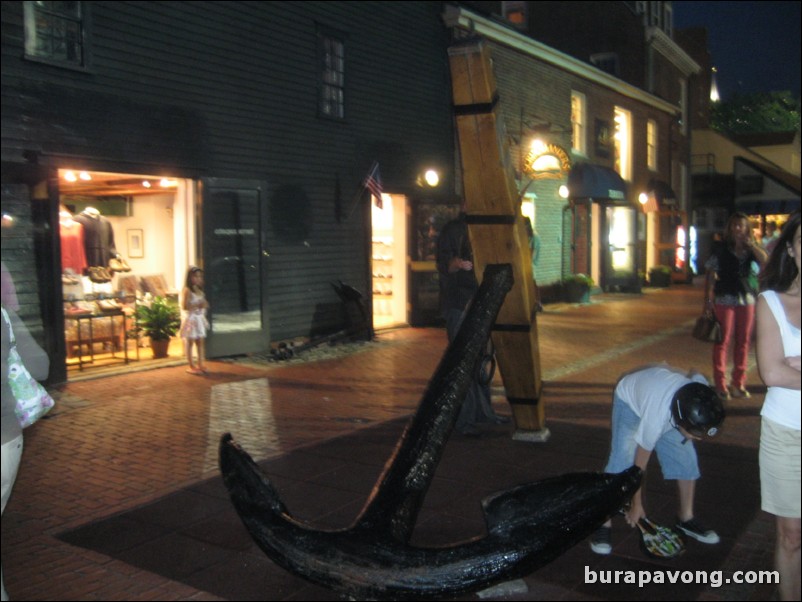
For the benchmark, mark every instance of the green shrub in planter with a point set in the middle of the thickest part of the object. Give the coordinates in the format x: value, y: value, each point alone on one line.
x: 159, y: 321
x: 660, y: 276
x: 576, y: 288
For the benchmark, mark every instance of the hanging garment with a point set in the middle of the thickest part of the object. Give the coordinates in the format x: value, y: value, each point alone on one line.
x: 98, y: 238
x: 73, y: 254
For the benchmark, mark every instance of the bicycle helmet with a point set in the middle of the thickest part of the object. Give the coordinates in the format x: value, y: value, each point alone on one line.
x: 697, y: 409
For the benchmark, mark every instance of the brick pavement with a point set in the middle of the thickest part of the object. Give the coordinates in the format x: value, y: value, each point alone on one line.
x: 122, y: 442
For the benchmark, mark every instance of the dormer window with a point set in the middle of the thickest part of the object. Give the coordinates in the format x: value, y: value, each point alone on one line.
x: 606, y: 61
x: 515, y: 13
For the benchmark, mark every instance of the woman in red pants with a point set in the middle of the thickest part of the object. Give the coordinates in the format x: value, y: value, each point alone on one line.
x: 731, y: 291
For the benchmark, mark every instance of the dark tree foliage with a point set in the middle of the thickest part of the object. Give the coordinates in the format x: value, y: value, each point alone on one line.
x: 756, y: 113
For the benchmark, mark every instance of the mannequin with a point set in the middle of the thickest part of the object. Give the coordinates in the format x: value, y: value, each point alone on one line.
x: 73, y: 256
x: 98, y: 237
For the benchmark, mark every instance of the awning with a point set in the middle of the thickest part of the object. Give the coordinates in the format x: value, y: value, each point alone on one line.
x: 587, y: 180
x: 664, y: 194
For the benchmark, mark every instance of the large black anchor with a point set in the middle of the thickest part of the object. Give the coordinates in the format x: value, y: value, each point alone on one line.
x: 527, y: 526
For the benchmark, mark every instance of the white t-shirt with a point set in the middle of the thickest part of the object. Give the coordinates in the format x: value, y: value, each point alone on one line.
x: 649, y: 393
x: 783, y: 405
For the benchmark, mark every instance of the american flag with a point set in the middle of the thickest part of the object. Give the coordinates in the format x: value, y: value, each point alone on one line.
x: 373, y: 182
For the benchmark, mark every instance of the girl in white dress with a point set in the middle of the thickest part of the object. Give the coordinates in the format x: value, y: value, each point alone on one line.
x: 195, y: 325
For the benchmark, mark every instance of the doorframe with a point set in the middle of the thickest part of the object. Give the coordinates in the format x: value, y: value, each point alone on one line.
x: 606, y: 279
x: 222, y: 344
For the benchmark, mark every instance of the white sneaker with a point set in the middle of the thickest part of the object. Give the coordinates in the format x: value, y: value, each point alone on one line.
x: 693, y: 528
x: 601, y: 542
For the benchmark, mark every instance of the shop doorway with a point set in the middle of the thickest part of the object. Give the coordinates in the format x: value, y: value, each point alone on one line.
x: 670, y: 243
x: 235, y: 262
x: 428, y: 216
x: 388, y: 261
x: 619, y: 257
x: 125, y: 239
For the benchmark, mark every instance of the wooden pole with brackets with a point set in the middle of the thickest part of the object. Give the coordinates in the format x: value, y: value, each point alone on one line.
x: 497, y: 230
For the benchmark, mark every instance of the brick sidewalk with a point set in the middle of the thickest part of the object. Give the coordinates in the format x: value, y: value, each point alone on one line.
x: 122, y: 442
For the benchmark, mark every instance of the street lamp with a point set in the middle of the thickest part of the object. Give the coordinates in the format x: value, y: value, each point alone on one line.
x: 430, y: 178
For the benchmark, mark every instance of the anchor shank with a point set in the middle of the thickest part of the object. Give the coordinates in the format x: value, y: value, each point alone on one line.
x: 393, y: 506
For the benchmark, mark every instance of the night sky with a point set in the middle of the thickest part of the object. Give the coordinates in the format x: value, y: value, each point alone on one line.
x: 754, y: 45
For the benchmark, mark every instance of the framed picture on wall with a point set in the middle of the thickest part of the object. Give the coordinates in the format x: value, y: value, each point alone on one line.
x: 136, y: 243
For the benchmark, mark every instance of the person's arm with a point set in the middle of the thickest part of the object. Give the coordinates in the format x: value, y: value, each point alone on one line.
x: 775, y: 369
x: 760, y: 254
x: 636, y: 511
x: 711, y: 277
x: 448, y: 251
x: 457, y: 263
x: 710, y: 283
x: 185, y: 299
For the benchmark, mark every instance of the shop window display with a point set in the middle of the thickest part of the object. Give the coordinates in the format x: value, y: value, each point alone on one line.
x: 97, y: 316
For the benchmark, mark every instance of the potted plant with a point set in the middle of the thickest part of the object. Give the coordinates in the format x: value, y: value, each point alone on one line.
x: 660, y: 276
x: 158, y: 320
x: 576, y: 288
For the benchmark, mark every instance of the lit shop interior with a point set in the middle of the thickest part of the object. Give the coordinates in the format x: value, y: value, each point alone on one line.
x: 125, y: 239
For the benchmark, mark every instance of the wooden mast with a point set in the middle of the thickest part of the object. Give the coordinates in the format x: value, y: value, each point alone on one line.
x: 497, y: 230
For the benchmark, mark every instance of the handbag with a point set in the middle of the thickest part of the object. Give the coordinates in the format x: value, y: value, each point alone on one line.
x: 707, y: 329
x: 33, y: 400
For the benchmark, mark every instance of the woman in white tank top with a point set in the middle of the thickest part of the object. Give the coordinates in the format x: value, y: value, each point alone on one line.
x: 778, y: 359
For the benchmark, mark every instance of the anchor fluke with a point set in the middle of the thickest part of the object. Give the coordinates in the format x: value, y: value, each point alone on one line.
x: 527, y: 527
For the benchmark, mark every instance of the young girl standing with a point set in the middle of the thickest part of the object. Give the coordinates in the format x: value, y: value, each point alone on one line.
x: 195, y: 326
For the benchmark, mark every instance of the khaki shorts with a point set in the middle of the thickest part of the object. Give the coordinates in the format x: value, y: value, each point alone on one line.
x: 779, y: 469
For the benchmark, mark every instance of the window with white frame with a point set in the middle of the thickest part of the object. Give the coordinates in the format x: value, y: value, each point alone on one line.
x: 668, y: 19
x: 332, y: 75
x: 578, y: 123
x: 655, y: 13
x: 622, y: 142
x: 54, y: 32
x: 651, y: 144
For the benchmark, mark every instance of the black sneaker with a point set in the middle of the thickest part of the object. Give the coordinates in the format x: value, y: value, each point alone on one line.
x: 693, y: 528
x: 602, y: 541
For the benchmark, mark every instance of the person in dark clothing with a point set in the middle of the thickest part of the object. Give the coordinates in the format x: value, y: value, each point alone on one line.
x: 534, y: 247
x: 457, y: 286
